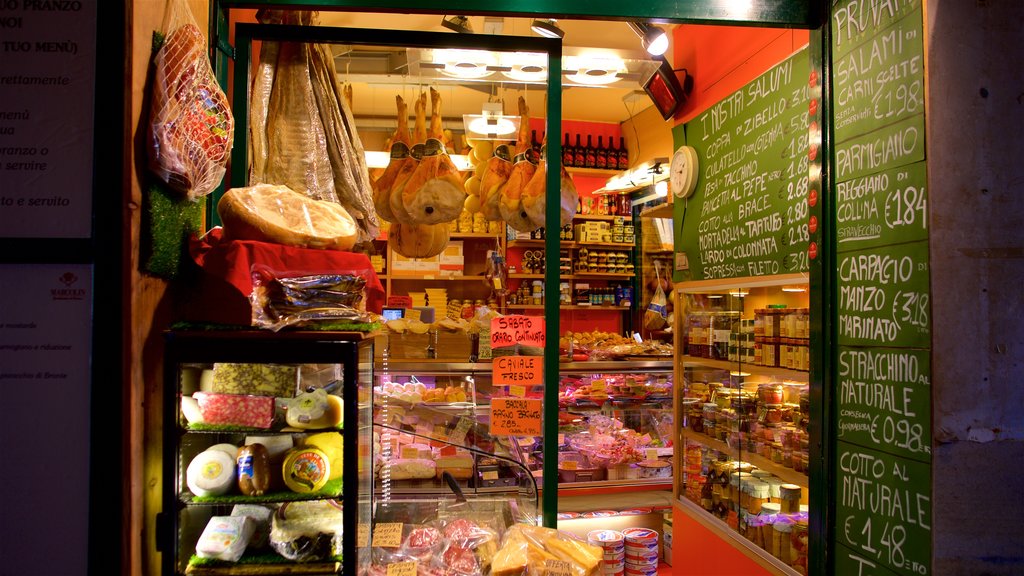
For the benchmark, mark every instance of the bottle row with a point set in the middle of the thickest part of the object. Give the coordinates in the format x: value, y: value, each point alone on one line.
x: 600, y: 156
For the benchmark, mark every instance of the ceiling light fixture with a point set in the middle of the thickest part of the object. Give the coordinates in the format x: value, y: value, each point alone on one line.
x: 547, y: 28
x: 491, y: 124
x: 458, y: 24
x: 794, y: 288
x: 653, y: 38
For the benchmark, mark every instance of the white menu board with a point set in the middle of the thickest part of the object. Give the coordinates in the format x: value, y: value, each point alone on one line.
x: 45, y: 346
x: 47, y: 84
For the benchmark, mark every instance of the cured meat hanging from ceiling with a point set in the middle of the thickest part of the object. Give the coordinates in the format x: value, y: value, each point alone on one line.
x: 302, y: 132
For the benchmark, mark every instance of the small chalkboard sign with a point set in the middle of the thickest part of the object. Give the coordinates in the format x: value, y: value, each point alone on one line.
x: 888, y: 207
x: 884, y: 296
x: 884, y: 509
x: 884, y: 400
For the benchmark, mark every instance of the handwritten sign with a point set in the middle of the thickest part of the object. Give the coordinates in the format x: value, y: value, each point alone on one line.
x: 884, y: 296
x: 387, y: 535
x: 517, y: 391
x: 879, y: 66
x: 884, y: 509
x: 515, y: 417
x: 885, y: 400
x: 851, y: 562
x: 884, y: 208
x: 521, y: 370
x: 410, y: 452
x: 363, y: 535
x: 402, y: 568
x: 748, y: 216
x: 569, y: 465
x: 490, y: 475
x: 507, y: 331
x: 557, y: 568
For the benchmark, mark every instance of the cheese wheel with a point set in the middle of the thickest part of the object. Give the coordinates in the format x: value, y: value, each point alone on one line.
x: 281, y: 215
x: 229, y: 449
x: 306, y: 469
x: 330, y: 443
x: 211, y: 473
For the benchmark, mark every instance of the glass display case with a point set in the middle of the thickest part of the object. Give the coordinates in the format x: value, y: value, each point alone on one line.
x: 267, y: 453
x: 743, y: 415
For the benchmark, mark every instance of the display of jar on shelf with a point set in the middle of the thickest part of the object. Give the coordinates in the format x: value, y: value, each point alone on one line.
x: 782, y: 338
x: 603, y: 262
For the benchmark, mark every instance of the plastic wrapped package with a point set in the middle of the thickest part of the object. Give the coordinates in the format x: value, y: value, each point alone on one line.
x: 260, y: 517
x: 280, y: 301
x: 307, y: 531
x: 536, y: 551
x: 191, y: 126
x: 279, y: 214
x: 225, y: 538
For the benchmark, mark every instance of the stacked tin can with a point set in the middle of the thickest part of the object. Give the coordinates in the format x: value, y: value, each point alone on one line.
x: 613, y: 543
x: 641, y: 551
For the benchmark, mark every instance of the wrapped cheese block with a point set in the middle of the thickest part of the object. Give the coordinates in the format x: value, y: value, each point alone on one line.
x: 280, y: 215
x: 225, y: 538
x: 411, y: 468
x: 236, y: 410
x: 460, y: 466
x: 256, y: 379
x: 315, y: 410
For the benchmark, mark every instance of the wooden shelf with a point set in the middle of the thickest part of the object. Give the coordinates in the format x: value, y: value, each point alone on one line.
x: 526, y: 243
x: 660, y: 211
x: 602, y: 217
x: 785, y: 474
x: 600, y: 275
x: 531, y: 276
x: 593, y: 171
x: 459, y: 235
x: 753, y: 369
x: 567, y: 307
x: 621, y: 245
x: 437, y: 277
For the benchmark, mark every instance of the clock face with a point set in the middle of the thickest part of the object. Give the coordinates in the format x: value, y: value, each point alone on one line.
x: 683, y: 172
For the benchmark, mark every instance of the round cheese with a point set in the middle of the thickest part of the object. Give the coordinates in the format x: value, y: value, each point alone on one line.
x: 281, y: 215
x: 229, y: 449
x: 211, y: 473
x: 306, y: 469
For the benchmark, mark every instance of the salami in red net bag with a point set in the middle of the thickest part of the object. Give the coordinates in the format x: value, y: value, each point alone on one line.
x: 191, y: 127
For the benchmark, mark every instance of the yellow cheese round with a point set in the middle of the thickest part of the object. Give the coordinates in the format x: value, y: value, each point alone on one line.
x: 281, y: 215
x: 306, y: 469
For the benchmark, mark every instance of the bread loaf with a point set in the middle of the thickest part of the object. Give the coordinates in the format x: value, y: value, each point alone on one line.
x: 280, y: 215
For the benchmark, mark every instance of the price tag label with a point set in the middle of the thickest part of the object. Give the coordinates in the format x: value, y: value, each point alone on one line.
x: 645, y: 439
x: 517, y: 370
x: 458, y: 436
x: 507, y: 331
x: 363, y: 535
x: 557, y: 568
x: 517, y: 391
x: 490, y: 475
x: 515, y: 417
x: 569, y: 465
x: 598, y: 386
x: 561, y: 439
x: 410, y: 452
x: 402, y: 568
x: 387, y: 535
x: 413, y: 313
x: 652, y: 453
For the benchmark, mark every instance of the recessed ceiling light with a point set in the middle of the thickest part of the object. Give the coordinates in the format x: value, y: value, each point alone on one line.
x: 547, y: 28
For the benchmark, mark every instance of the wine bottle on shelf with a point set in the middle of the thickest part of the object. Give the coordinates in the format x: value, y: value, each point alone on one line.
x: 623, y: 155
x: 601, y: 154
x: 579, y: 154
x: 591, y: 154
x: 567, y: 152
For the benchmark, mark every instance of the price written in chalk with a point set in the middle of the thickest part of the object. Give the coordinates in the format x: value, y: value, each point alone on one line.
x: 515, y: 417
x: 363, y: 535
x: 520, y: 370
x: 507, y: 331
x: 387, y: 535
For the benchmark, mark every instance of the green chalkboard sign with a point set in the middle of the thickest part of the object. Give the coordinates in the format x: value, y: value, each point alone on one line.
x: 884, y: 400
x: 884, y: 509
x: 878, y: 70
x: 748, y: 216
x: 888, y: 207
x: 888, y: 147
x: 884, y: 297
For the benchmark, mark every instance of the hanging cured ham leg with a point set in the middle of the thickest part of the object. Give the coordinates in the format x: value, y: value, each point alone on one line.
x: 535, y: 196
x: 499, y: 168
x: 435, y: 192
x: 398, y: 208
x: 401, y: 157
x: 523, y: 168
